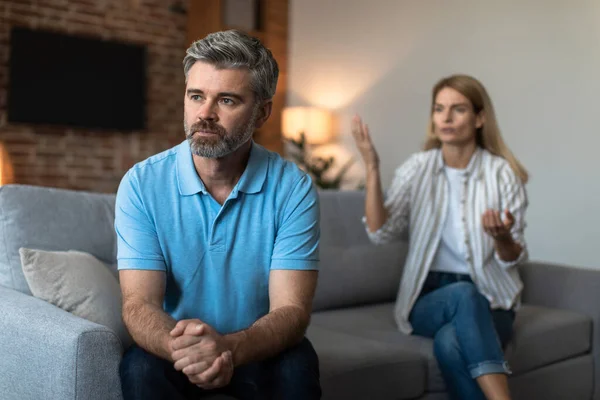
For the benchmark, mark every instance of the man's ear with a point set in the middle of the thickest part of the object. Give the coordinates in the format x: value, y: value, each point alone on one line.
x: 264, y: 112
x: 479, y: 120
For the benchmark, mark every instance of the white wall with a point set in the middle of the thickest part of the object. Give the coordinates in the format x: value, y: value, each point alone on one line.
x: 539, y: 59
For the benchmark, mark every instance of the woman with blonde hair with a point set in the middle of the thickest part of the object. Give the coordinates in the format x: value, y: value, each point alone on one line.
x: 462, y: 203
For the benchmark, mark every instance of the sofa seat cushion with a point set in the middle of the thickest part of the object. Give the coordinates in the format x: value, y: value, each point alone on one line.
x: 353, y: 367
x: 376, y: 322
x: 542, y: 336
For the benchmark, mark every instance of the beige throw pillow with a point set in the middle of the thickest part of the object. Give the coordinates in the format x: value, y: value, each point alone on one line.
x: 78, y: 283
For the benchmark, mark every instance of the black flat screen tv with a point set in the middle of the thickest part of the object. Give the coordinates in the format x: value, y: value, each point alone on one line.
x: 75, y: 81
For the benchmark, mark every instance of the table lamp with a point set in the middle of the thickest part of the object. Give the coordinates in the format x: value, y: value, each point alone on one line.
x: 315, y: 123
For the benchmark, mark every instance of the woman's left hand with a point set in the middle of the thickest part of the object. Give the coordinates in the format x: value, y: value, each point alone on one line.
x: 494, y: 226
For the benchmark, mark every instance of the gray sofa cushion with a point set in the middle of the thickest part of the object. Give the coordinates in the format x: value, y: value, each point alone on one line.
x: 376, y: 322
x: 546, y: 335
x: 52, y: 219
x: 353, y: 270
x: 355, y: 368
x: 542, y: 336
x: 570, y: 379
x: 78, y: 283
x: 364, y: 274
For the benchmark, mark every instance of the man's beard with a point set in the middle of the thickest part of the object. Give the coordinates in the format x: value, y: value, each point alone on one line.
x: 222, y: 142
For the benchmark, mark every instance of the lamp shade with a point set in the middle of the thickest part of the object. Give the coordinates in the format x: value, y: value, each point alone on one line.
x: 315, y: 123
x: 6, y: 171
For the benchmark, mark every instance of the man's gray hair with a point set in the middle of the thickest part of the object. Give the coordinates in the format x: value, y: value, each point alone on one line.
x: 236, y: 49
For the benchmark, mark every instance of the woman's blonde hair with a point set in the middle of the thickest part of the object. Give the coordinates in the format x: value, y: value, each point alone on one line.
x: 488, y: 136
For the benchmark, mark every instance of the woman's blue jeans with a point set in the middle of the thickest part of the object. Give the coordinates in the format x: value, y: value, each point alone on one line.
x: 468, y: 337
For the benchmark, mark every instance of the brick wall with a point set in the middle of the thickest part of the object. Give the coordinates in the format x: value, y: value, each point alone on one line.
x: 85, y: 159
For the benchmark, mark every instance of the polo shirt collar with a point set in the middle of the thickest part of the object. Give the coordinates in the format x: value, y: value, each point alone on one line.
x: 187, y: 178
x: 254, y: 176
x: 251, y: 181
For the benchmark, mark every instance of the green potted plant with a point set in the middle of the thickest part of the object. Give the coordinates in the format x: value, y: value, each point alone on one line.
x: 317, y: 167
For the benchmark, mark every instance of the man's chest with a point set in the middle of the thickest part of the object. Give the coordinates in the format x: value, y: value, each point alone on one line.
x: 202, y: 233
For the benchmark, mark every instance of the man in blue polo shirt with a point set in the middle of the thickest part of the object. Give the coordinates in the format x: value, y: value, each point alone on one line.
x: 218, y: 245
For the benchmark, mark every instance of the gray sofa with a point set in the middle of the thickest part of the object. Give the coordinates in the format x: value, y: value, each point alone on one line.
x: 47, y: 353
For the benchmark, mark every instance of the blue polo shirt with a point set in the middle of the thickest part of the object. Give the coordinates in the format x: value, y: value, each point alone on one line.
x: 217, y: 258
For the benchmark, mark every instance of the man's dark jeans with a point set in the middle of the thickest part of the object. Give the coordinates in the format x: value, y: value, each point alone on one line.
x: 293, y: 374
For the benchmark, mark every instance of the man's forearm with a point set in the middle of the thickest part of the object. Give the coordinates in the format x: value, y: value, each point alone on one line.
x: 149, y: 326
x: 270, y: 335
x: 508, y: 250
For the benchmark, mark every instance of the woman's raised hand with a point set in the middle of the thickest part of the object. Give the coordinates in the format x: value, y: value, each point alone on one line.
x: 360, y: 132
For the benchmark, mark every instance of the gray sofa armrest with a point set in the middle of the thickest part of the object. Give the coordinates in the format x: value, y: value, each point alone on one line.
x: 567, y: 288
x: 48, y: 353
x: 558, y: 286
